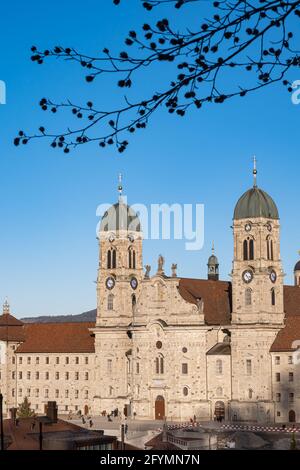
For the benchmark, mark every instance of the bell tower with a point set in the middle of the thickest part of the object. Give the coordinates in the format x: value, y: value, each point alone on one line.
x: 120, y: 264
x: 257, y: 275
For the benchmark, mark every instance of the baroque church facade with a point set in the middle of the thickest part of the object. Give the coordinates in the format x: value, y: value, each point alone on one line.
x: 166, y: 346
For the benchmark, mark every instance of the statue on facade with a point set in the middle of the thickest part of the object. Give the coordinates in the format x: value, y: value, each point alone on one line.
x: 174, y: 270
x: 161, y: 262
x: 147, y: 273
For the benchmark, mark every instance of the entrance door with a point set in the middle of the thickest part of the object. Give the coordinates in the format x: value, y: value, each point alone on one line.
x: 220, y: 410
x: 292, y: 416
x: 159, y: 407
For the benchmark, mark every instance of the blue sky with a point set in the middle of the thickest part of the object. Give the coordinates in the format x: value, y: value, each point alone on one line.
x: 48, y: 200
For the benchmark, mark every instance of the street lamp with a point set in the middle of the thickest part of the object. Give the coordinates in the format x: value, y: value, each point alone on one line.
x: 1, y: 422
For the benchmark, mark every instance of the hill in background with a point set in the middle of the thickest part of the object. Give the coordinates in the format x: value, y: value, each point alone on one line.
x: 89, y: 316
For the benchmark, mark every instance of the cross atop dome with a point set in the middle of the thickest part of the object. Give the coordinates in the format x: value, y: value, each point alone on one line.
x: 254, y: 172
x: 6, y: 308
x: 120, y: 186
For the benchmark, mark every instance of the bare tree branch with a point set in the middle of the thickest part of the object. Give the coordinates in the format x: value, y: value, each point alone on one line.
x: 241, y: 36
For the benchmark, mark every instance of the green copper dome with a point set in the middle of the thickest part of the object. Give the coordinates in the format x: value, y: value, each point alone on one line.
x: 120, y: 216
x: 255, y: 203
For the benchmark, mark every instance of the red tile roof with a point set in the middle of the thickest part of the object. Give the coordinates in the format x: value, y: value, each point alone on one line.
x: 57, y: 338
x: 286, y: 337
x: 216, y: 296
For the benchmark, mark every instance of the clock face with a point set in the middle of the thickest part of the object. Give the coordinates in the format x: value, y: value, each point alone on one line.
x: 273, y: 276
x: 247, y: 276
x: 110, y: 283
x: 133, y: 283
x: 248, y: 227
x: 269, y: 227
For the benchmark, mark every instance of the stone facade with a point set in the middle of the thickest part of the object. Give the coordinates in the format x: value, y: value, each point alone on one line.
x: 167, y: 346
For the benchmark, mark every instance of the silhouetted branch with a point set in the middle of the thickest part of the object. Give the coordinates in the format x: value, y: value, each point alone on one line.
x: 240, y: 36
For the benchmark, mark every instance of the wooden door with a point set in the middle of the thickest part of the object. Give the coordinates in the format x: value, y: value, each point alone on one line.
x: 160, y: 408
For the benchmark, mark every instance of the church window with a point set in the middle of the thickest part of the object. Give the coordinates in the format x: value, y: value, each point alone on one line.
x: 110, y: 302
x: 185, y: 391
x: 219, y: 367
x: 111, y: 259
x: 184, y: 350
x: 133, y: 300
x: 248, y: 297
x: 270, y: 252
x: 159, y: 364
x: 248, y: 249
x: 159, y: 344
x: 184, y: 368
x: 109, y: 365
x: 291, y: 377
x: 250, y: 393
x: 273, y: 297
x: 137, y: 367
x: 249, y: 366
x: 131, y: 258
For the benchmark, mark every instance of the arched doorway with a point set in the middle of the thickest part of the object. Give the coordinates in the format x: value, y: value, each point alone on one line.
x: 86, y: 410
x: 220, y: 410
x: 159, y: 407
x: 292, y: 416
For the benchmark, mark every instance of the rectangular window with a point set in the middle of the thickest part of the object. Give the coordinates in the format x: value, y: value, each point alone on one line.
x: 12, y: 392
x: 47, y: 360
x: 37, y: 393
x: 76, y: 393
x: 13, y: 375
x: 291, y: 397
x: 47, y: 375
x: 56, y: 393
x: 249, y: 367
x: 278, y: 397
x: 76, y: 360
x: 76, y: 375
x: 13, y: 360
x: 67, y: 360
x: 37, y: 375
x: 86, y: 394
x: 290, y: 360
x: 20, y: 392
x: 28, y: 375
x: 291, y: 377
x: 184, y: 368
x: 20, y: 360
x: 57, y: 360
x: 67, y: 394
x: 277, y: 377
x: 37, y: 360
x: 28, y: 392
x: 86, y: 376
x: 46, y: 393
x: 57, y: 375
x: 137, y: 367
x: 86, y: 360
x: 20, y: 375
x: 28, y: 360
x: 67, y: 375
x: 278, y: 414
x: 277, y: 360
x: 109, y: 365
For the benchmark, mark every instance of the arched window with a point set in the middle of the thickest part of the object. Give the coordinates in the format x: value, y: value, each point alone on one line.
x: 131, y: 258
x: 219, y: 367
x: 111, y: 259
x: 110, y: 302
x: 248, y: 297
x: 133, y: 300
x: 219, y: 392
x: 185, y: 391
x: 248, y: 249
x: 273, y: 297
x: 159, y: 364
x: 270, y: 251
x: 245, y: 250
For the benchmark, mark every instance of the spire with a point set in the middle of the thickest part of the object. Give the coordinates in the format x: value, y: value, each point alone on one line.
x: 6, y: 309
x: 254, y: 172
x: 213, y: 248
x: 120, y: 186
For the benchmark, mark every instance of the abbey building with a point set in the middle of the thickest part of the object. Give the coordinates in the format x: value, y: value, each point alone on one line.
x: 166, y: 346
